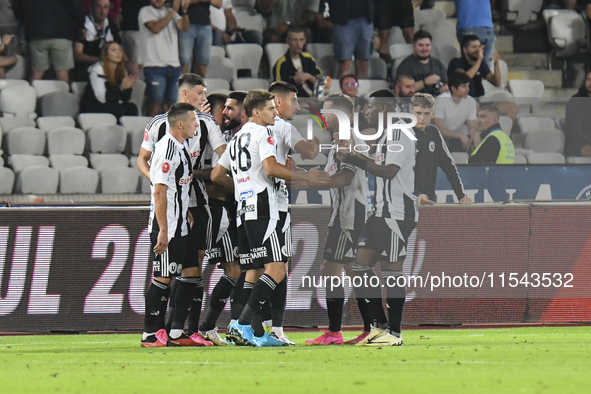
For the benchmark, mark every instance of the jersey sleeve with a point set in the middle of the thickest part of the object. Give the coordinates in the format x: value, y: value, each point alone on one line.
x: 398, y: 148
x: 295, y: 136
x: 163, y: 166
x: 150, y: 136
x: 214, y: 135
x: 266, y: 145
x: 224, y: 161
x: 473, y: 109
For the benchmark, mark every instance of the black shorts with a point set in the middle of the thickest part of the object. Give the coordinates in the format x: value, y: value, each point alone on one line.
x: 284, y: 232
x: 259, y: 244
x: 391, y: 13
x: 222, y: 242
x: 340, y: 245
x: 169, y: 263
x: 386, y: 237
x: 197, y: 238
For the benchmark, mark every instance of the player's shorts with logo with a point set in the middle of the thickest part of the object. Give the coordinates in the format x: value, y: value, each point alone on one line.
x: 222, y: 239
x: 197, y: 238
x: 169, y: 263
x: 387, y: 237
x: 341, y: 244
x: 284, y: 232
x: 259, y: 244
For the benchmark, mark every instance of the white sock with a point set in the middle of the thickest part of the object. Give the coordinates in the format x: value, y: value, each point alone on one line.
x: 145, y: 335
x: 267, y: 323
x: 176, y: 333
x: 278, y: 331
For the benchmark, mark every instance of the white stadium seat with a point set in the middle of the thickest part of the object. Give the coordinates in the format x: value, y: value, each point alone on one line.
x: 78, y: 180
x: 108, y: 161
x: 37, y: 180
x: 66, y: 140
x: 19, y: 101
x: 6, y: 180
x: 20, y: 162
x: 43, y: 87
x: 48, y: 123
x: 26, y: 140
x: 65, y: 161
x: 119, y: 180
x: 107, y: 139
x: 545, y: 141
x: 245, y: 56
x: 88, y: 121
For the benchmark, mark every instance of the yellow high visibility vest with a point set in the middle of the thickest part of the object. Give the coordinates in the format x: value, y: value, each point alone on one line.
x: 507, y: 152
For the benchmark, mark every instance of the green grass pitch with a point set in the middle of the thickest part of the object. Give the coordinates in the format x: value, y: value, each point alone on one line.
x: 512, y: 360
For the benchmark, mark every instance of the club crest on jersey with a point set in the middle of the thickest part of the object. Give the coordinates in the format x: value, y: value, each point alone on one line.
x: 270, y: 140
x: 432, y: 146
x: 165, y: 168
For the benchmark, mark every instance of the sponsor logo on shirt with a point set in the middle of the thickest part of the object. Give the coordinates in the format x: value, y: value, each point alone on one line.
x: 248, y: 208
x: 186, y: 181
x: 380, y: 157
x: 246, y: 194
x: 246, y: 179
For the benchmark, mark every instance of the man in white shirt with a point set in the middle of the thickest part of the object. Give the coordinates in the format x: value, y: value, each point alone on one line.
x: 456, y: 115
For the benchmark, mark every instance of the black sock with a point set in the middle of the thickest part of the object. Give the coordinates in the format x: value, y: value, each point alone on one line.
x: 217, y: 302
x: 375, y: 307
x: 335, y: 299
x: 257, y: 324
x: 260, y: 292
x: 172, y: 294
x: 278, y: 299
x: 395, y: 297
x: 266, y: 313
x: 363, y: 305
x: 153, y: 321
x: 237, y: 298
x: 195, y: 311
x: 184, y: 298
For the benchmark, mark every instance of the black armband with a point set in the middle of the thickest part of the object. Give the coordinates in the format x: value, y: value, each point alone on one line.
x: 356, y: 161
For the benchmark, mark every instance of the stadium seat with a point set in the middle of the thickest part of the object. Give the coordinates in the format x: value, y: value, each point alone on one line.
x: 245, y: 56
x: 19, y: 70
x: 545, y: 158
x: 250, y: 20
x: 48, y: 123
x: 133, y: 123
x: 137, y: 95
x: 220, y: 68
x: 88, y: 121
x: 368, y: 86
x: 506, y: 124
x: 335, y: 87
x: 78, y: 180
x: 217, y: 51
x: 578, y: 160
x: 136, y: 138
x: 63, y: 162
x: 78, y: 88
x: 43, y: 87
x: 529, y: 124
x: 560, y: 122
x: 66, y: 140
x: 4, y: 83
x: 460, y: 157
x: 443, y: 32
x: 6, y: 180
x: 250, y: 84
x: 107, y: 139
x: 275, y: 52
x: 215, y: 85
x: 60, y: 104
x: 26, y: 140
x: 377, y: 69
x: 1, y: 160
x: 318, y: 50
x: 521, y: 12
x: 20, y: 162
x: 399, y: 52
x: 8, y: 124
x: 545, y: 141
x: 445, y: 53
x: 19, y: 101
x: 244, y: 3
x: 423, y: 17
x: 520, y: 159
x: 324, y: 56
x: 37, y: 180
x: 566, y: 33
x: 489, y: 87
x: 119, y: 180
x: 527, y: 92
x: 145, y: 185
x: 108, y: 161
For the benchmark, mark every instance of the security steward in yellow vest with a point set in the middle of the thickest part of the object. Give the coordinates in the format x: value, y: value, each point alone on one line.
x: 496, y: 147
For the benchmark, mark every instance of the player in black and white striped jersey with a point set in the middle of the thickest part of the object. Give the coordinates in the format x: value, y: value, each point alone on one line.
x: 171, y: 174
x: 192, y: 89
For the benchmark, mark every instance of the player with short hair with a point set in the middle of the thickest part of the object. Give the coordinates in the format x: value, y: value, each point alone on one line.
x: 171, y: 174
x: 385, y: 235
x: 252, y: 159
x: 349, y: 196
x: 189, y: 286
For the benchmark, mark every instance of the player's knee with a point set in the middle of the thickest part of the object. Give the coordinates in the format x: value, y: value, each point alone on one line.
x: 232, y: 270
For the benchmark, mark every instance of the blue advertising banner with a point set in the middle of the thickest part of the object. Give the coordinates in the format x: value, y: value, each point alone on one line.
x: 519, y: 182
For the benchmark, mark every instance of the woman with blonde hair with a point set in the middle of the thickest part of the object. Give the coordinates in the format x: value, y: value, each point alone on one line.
x: 109, y: 90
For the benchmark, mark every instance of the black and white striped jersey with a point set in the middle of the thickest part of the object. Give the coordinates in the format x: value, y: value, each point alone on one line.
x: 350, y: 204
x: 171, y: 166
x: 254, y: 190
x: 394, y: 198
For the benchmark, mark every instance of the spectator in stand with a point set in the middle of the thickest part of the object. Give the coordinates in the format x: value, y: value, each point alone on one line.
x: 158, y: 27
x: 6, y: 60
x: 109, y: 90
x: 114, y: 10
x: 322, y: 26
x: 301, y: 13
x: 429, y: 73
x: 225, y: 29
x: 350, y: 87
x: 296, y: 66
x: 390, y: 13
x: 578, y: 118
x: 475, y: 17
x: 404, y: 89
x: 456, y: 115
x: 496, y: 146
x: 130, y: 34
x: 472, y: 63
x: 99, y: 30
x: 352, y: 33
x: 50, y: 28
x: 195, y: 43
